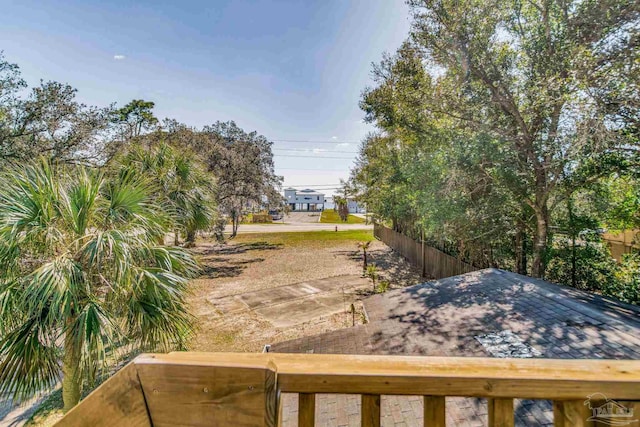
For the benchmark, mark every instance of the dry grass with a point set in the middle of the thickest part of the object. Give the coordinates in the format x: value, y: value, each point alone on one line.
x: 253, y: 262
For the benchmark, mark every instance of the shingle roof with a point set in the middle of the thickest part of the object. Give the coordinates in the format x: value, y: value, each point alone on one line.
x: 445, y: 317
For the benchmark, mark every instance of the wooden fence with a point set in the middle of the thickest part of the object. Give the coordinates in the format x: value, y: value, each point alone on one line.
x: 433, y: 262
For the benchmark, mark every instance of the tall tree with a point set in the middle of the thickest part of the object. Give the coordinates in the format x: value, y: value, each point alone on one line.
x: 48, y: 122
x: 82, y: 274
x: 509, y: 74
x: 135, y: 117
x: 185, y: 188
x: 243, y: 165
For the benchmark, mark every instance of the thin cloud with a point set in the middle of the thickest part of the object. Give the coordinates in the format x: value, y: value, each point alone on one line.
x: 343, y: 144
x: 319, y: 150
x: 119, y: 57
x: 334, y: 137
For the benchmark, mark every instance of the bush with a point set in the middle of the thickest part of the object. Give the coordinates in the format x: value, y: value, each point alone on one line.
x: 626, y: 284
x: 594, y: 267
x: 261, y: 218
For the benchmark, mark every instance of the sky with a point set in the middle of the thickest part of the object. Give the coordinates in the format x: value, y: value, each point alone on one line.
x: 290, y: 70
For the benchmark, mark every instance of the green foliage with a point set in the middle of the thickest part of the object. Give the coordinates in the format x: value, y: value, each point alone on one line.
x: 383, y: 286
x: 626, y: 286
x: 492, y: 115
x: 341, y: 208
x: 47, y: 121
x: 83, y: 273
x: 185, y: 190
x: 372, y: 273
x: 135, y: 117
x: 594, y: 267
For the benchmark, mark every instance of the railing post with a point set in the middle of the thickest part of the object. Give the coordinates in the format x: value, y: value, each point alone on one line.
x: 370, y: 410
x: 306, y: 409
x: 434, y: 413
x: 571, y: 413
x: 500, y: 412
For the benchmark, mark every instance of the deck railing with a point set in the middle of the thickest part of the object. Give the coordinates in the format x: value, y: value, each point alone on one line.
x: 240, y: 389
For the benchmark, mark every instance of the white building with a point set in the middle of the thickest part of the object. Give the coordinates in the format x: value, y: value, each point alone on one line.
x: 304, y: 200
x: 352, y: 205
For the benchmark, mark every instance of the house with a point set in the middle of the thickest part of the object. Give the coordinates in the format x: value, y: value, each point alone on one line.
x: 352, y: 205
x: 304, y: 200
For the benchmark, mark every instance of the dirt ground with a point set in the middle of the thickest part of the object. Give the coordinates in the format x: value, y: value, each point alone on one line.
x: 266, y: 288
x: 226, y: 299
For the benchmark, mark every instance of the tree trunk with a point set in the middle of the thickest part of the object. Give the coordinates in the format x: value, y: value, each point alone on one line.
x: 572, y: 230
x: 176, y: 238
x: 521, y: 250
x: 540, y: 241
x: 71, y: 378
x: 191, y: 238
x: 364, y: 262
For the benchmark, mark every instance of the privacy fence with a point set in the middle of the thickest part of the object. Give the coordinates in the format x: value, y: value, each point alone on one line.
x: 433, y: 262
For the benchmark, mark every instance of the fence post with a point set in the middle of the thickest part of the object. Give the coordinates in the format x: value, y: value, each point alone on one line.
x: 422, y: 256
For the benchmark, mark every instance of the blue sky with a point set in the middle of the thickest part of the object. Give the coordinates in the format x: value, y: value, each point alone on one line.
x: 291, y: 70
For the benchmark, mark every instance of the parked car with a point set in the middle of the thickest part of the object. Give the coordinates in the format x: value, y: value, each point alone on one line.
x: 275, y: 215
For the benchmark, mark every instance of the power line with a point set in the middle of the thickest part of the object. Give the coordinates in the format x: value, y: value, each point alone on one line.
x: 322, y: 169
x: 313, y: 185
x: 314, y: 157
x: 307, y: 150
x: 315, y: 142
x: 315, y: 188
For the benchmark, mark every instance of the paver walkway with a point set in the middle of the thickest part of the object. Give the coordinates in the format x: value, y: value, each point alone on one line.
x: 443, y: 318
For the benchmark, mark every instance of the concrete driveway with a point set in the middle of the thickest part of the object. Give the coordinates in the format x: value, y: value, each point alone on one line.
x: 298, y: 303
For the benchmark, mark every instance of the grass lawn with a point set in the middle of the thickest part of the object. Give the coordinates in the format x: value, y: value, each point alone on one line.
x: 304, y: 237
x: 330, y: 216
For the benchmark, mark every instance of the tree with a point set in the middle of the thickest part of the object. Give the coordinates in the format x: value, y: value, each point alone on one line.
x: 82, y: 273
x: 135, y: 117
x: 372, y: 273
x: 364, y: 246
x: 48, y: 122
x: 184, y: 186
x: 507, y: 78
x: 243, y: 165
x: 342, y: 207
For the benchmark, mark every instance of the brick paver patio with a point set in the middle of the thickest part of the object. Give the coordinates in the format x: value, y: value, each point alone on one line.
x: 442, y: 318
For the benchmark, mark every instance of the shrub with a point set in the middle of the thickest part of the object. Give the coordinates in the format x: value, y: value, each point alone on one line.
x: 594, y: 267
x: 626, y: 283
x: 383, y: 286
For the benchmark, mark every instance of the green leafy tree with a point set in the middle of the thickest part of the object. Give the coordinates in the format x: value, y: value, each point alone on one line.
x: 82, y: 274
x: 47, y: 121
x: 185, y: 188
x: 243, y: 165
x: 506, y: 89
x: 364, y: 246
x: 341, y: 207
x: 135, y: 117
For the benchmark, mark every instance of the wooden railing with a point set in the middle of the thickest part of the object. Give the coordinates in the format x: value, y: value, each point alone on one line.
x: 431, y: 261
x: 205, y: 389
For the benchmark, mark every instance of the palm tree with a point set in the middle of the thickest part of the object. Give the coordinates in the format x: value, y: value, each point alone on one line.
x: 364, y: 246
x: 185, y: 189
x: 81, y: 274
